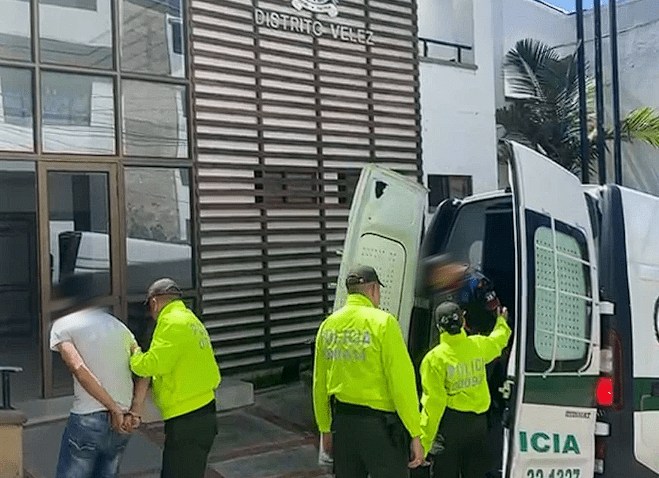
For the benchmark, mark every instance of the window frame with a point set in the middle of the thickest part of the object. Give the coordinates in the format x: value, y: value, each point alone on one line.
x: 37, y: 66
x: 444, y: 182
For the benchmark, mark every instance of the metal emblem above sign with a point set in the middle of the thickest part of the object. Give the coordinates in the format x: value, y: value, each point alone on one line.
x: 317, y: 6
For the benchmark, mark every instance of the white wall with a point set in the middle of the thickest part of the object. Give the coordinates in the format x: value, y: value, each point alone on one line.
x: 457, y: 109
x: 638, y: 57
x: 534, y: 19
x: 519, y: 19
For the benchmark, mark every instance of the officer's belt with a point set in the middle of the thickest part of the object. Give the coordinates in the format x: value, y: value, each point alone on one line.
x: 358, y: 410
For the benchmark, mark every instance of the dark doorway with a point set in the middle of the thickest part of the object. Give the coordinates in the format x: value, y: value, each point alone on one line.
x: 19, y: 292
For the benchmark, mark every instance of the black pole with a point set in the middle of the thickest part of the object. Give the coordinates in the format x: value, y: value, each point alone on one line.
x: 615, y: 86
x: 6, y: 391
x: 581, y: 72
x: 599, y: 93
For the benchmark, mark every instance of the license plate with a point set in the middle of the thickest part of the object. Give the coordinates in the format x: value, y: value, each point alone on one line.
x: 553, y: 473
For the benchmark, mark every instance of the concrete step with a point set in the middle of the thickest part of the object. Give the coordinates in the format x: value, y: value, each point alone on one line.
x: 232, y: 393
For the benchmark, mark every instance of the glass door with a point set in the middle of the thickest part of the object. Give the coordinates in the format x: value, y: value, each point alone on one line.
x: 80, y: 251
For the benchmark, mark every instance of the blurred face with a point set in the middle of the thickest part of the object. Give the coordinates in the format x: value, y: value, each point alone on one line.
x: 447, y: 276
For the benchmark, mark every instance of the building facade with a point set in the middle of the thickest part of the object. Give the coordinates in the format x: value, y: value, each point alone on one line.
x: 216, y: 142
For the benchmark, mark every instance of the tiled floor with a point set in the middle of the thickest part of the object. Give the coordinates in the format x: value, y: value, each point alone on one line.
x: 275, y: 438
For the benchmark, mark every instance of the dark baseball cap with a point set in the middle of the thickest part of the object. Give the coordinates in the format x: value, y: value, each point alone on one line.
x: 448, y: 317
x: 362, y: 275
x: 164, y: 286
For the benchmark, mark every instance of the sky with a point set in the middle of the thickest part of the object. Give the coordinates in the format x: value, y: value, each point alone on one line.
x: 570, y: 5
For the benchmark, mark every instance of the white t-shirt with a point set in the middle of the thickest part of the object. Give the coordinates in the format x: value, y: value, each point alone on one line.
x: 103, y: 342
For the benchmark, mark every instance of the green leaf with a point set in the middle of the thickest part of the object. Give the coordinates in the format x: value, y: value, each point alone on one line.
x: 642, y: 124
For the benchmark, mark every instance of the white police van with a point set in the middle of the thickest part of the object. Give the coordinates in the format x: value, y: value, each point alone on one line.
x: 578, y: 267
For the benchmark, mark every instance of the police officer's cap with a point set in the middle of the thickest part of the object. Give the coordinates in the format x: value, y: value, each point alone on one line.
x: 448, y: 317
x: 362, y: 275
x: 164, y: 286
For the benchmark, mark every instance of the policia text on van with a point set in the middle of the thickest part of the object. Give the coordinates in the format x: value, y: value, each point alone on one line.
x: 578, y: 267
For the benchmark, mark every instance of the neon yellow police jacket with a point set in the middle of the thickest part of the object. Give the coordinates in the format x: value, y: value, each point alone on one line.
x: 361, y: 359
x: 181, y: 362
x: 453, y: 376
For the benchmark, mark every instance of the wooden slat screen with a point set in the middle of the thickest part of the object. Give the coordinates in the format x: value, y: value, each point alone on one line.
x: 286, y: 113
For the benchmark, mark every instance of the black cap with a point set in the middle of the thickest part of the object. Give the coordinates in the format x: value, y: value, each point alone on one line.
x: 448, y: 317
x: 362, y: 275
x: 164, y: 286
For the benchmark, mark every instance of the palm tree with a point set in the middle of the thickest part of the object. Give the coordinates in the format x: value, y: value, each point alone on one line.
x: 543, y: 111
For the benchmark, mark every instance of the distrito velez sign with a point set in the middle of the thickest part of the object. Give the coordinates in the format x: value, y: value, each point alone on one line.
x: 310, y: 26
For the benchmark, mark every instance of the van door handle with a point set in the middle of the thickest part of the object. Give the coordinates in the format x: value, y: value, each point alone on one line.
x: 507, y: 389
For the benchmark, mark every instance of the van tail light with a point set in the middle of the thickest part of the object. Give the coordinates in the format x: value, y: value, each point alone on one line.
x: 604, y: 392
x: 608, y: 390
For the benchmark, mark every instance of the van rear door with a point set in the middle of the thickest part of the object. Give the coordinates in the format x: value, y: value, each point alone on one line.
x: 384, y: 231
x: 554, y: 361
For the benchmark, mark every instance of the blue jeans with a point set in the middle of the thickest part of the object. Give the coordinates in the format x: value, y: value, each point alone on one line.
x: 90, y: 448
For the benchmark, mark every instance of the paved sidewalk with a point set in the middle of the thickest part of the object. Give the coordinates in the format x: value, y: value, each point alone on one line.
x: 274, y: 438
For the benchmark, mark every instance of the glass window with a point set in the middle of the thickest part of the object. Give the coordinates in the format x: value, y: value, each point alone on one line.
x: 445, y: 186
x: 79, y: 232
x: 77, y: 113
x: 158, y: 242
x: 76, y: 32
x: 155, y: 119
x: 16, y: 124
x: 15, y: 30
x: 152, y: 37
x: 561, y: 300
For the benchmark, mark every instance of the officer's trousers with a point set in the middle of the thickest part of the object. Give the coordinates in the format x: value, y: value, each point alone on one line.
x: 369, y: 442
x: 188, y: 440
x: 463, y: 436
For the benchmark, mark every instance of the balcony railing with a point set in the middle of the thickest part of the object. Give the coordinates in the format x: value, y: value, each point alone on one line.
x: 459, y: 48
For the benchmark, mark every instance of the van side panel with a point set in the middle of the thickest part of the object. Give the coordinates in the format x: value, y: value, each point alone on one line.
x: 641, y: 220
x: 620, y: 459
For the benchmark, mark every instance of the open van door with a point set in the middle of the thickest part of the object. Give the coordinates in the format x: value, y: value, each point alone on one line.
x: 384, y: 232
x: 554, y: 361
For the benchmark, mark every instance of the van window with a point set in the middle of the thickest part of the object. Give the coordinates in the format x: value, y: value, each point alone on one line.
x: 561, y: 297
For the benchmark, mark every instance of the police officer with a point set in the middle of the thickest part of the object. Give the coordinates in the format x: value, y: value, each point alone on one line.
x: 364, y: 387
x: 184, y: 375
x: 455, y: 393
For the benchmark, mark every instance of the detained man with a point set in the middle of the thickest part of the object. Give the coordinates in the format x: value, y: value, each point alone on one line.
x: 96, y: 347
